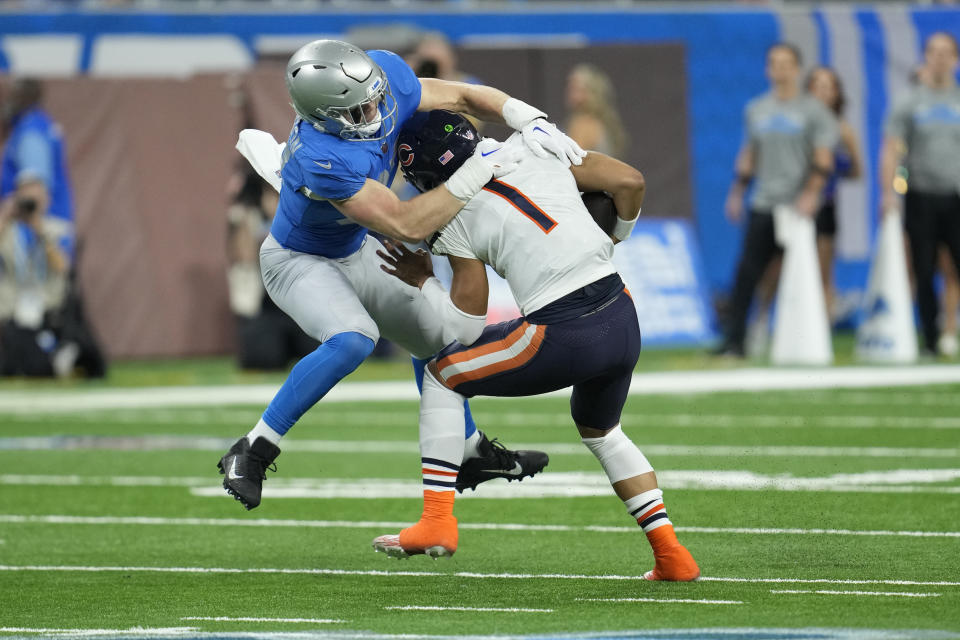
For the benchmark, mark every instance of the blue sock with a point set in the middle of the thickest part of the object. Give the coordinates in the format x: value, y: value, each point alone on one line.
x: 312, y: 377
x: 469, y: 425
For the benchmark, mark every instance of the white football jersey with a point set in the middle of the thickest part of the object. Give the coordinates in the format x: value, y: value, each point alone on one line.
x: 532, y: 227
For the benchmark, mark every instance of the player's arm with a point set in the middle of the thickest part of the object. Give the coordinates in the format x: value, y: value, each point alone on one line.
x: 485, y: 103
x: 493, y: 105
x: 378, y: 208
x: 626, y: 185
x: 463, y: 310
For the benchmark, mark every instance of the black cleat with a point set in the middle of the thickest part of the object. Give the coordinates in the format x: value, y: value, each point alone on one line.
x: 496, y: 461
x: 245, y: 467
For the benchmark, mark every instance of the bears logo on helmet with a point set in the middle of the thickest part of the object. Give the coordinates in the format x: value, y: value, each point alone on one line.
x: 433, y: 145
x: 405, y: 154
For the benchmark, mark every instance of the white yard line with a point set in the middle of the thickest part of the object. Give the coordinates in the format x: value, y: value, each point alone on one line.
x: 551, y: 484
x: 457, y: 574
x: 209, y: 443
x: 481, y: 526
x: 829, y: 592
x: 411, y: 607
x: 149, y: 415
x: 671, y: 382
x: 661, y: 600
x: 245, y: 619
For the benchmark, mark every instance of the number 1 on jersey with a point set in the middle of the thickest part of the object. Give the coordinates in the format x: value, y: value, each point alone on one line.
x: 521, y: 203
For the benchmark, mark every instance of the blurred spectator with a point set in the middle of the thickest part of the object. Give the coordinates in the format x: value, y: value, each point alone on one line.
x: 594, y: 121
x: 950, y: 293
x: 824, y: 84
x: 435, y: 57
x: 267, y: 338
x: 44, y: 331
x: 788, y: 155
x: 923, y: 130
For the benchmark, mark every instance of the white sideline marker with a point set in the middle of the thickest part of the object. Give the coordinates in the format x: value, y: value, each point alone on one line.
x: 828, y: 592
x: 479, y: 526
x: 413, y: 607
x: 246, y: 619
x: 457, y: 574
x: 661, y: 600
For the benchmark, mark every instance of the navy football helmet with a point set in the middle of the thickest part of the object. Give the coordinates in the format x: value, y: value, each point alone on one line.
x: 433, y: 145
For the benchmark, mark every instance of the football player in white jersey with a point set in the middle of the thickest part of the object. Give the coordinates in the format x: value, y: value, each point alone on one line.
x: 579, y: 326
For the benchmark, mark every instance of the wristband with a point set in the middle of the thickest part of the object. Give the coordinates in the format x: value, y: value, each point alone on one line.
x: 468, y: 180
x: 743, y: 178
x: 623, y: 228
x: 517, y: 113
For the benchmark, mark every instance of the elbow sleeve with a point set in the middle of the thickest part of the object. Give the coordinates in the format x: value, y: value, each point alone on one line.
x: 458, y: 325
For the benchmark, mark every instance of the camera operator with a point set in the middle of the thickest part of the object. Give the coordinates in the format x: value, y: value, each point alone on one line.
x: 43, y: 330
x: 33, y: 283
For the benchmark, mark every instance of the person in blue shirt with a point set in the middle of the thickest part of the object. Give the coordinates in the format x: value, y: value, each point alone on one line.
x: 34, y: 165
x: 319, y: 264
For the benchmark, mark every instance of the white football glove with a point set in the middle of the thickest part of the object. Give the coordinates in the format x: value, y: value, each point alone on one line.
x: 491, y: 159
x: 541, y: 136
x: 545, y: 140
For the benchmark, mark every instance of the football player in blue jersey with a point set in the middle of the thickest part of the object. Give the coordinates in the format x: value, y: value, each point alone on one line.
x: 320, y: 266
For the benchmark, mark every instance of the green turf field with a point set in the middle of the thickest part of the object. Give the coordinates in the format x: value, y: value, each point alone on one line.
x: 794, y: 503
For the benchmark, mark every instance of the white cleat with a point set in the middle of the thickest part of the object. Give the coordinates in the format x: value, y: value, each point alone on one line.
x: 390, y: 545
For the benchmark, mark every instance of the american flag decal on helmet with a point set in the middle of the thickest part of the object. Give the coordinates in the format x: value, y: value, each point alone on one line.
x: 446, y: 157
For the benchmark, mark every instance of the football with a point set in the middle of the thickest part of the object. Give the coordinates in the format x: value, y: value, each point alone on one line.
x: 601, y: 208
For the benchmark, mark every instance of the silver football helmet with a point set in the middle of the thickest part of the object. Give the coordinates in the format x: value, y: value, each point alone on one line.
x: 339, y: 89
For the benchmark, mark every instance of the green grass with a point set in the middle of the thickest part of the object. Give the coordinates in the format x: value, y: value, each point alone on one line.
x: 223, y: 369
x: 127, y: 598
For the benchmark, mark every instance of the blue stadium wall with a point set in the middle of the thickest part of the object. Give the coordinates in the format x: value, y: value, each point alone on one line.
x: 873, y: 48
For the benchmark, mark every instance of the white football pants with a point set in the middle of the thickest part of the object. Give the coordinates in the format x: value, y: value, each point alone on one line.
x: 327, y: 296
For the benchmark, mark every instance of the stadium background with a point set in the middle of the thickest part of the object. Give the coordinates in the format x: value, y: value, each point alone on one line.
x: 145, y: 98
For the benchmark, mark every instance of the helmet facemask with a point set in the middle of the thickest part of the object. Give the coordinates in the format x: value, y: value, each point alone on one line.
x: 364, y: 121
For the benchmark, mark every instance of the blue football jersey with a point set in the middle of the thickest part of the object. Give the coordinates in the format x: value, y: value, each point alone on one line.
x: 319, y: 167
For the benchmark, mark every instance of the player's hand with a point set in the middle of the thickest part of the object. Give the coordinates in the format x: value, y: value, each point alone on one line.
x: 414, y: 268
x: 490, y: 159
x: 500, y: 157
x: 545, y: 140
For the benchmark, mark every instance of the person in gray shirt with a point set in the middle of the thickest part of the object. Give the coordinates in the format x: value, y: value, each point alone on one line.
x: 923, y: 132
x: 787, y: 155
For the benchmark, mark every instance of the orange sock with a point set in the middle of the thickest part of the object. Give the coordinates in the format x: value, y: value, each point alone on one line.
x: 662, y: 538
x: 437, y: 525
x: 437, y: 505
